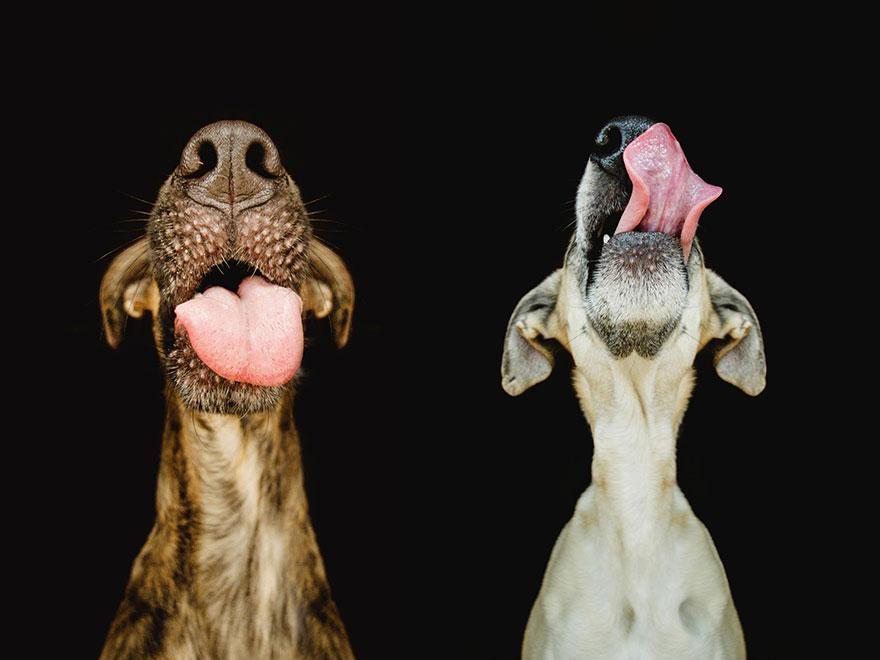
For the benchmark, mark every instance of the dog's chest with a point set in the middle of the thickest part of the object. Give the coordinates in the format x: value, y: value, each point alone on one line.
x: 608, y: 600
x: 249, y: 603
x: 245, y: 563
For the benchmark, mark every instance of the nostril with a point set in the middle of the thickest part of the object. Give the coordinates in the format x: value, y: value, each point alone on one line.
x: 609, y: 141
x: 208, y: 158
x: 255, y: 160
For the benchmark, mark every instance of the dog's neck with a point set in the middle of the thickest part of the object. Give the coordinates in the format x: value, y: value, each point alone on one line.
x: 245, y: 469
x: 230, y: 492
x: 633, y: 469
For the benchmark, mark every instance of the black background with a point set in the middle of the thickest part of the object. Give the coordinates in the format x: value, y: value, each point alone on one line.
x: 449, y: 177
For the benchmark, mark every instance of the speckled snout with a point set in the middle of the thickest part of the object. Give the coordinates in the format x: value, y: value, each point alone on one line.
x: 228, y: 200
x: 637, y: 292
x: 643, y: 255
x: 228, y: 211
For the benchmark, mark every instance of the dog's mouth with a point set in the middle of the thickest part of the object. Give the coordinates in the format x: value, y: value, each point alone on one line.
x: 602, y: 233
x: 667, y: 196
x: 242, y: 326
x: 228, y: 275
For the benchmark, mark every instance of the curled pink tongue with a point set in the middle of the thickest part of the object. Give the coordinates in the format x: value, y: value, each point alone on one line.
x: 667, y: 195
x: 254, y: 337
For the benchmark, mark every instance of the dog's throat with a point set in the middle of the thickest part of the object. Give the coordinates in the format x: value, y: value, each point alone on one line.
x: 253, y: 336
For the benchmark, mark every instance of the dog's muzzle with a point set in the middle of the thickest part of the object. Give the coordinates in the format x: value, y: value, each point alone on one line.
x: 637, y: 256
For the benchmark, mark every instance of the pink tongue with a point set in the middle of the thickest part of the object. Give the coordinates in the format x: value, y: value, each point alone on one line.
x: 667, y: 194
x: 254, y: 337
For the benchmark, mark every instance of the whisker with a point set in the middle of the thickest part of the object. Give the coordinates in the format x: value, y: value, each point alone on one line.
x: 335, y: 222
x: 108, y: 225
x: 569, y: 225
x: 326, y: 243
x: 317, y: 199
x: 570, y: 341
x: 137, y: 199
x: 684, y: 332
x: 127, y: 230
x: 118, y: 248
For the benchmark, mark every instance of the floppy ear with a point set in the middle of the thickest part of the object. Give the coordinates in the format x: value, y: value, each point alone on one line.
x: 740, y: 359
x: 329, y: 290
x: 127, y: 289
x: 526, y: 360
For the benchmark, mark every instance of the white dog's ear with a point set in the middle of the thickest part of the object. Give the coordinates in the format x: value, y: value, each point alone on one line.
x: 527, y: 360
x: 740, y: 359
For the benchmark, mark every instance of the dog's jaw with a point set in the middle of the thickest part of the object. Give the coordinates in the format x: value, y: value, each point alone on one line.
x: 190, y: 243
x: 631, y: 257
x: 637, y: 293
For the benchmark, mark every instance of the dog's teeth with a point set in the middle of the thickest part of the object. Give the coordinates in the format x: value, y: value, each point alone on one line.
x: 606, y: 238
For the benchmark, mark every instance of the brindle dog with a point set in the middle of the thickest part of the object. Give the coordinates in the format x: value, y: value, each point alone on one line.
x: 231, y: 568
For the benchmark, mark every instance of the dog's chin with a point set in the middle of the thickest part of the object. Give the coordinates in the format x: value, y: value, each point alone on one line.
x: 203, y: 390
x: 637, y: 291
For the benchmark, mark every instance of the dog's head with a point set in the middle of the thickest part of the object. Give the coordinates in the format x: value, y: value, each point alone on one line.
x: 228, y: 269
x: 634, y: 295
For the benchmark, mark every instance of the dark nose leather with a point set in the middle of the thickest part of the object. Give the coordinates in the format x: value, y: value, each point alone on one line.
x: 231, y: 165
x: 614, y: 137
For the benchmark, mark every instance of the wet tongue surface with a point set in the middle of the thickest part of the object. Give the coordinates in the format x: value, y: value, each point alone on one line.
x: 253, y: 337
x: 667, y: 195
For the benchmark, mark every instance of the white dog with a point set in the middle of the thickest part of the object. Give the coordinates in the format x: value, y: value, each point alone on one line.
x: 635, y: 574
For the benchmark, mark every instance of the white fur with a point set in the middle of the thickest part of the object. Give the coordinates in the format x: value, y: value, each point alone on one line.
x: 633, y: 574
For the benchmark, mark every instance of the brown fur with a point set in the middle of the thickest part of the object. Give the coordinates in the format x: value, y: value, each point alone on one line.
x: 163, y: 613
x: 231, y: 568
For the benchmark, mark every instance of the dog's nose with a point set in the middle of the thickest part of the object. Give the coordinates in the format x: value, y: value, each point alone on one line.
x: 231, y: 164
x: 614, y: 138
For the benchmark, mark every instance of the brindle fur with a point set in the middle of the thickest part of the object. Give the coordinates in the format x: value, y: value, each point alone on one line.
x: 231, y: 568
x: 183, y: 602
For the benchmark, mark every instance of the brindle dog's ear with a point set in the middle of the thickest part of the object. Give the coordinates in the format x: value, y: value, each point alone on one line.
x: 740, y: 359
x: 127, y: 288
x: 527, y: 360
x: 329, y: 290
